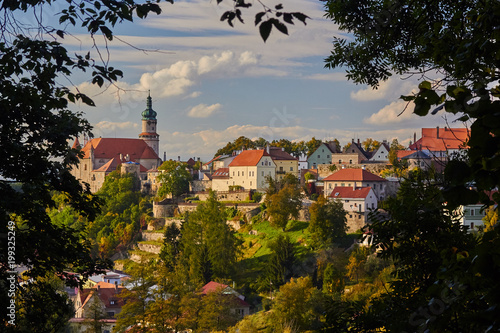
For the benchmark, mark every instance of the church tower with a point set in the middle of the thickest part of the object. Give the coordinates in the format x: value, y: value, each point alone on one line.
x: 149, y: 134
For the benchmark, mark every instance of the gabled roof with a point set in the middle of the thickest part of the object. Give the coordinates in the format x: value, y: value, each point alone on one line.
x: 248, y: 158
x: 331, y: 145
x: 212, y: 286
x: 403, y: 153
x: 442, y: 139
x: 221, y: 173
x: 359, y: 175
x: 350, y: 193
x: 356, y: 148
x: 111, y: 147
x: 278, y: 153
x: 107, y: 292
x: 112, y: 164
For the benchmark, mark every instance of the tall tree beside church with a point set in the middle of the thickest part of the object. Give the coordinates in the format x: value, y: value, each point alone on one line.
x: 174, y: 179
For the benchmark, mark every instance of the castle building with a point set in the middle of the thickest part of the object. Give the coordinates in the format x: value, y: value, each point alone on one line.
x: 104, y: 155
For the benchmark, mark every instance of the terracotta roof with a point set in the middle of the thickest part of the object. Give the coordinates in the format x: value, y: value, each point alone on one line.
x: 213, y: 286
x: 111, y: 147
x: 278, y: 153
x: 350, y: 193
x: 221, y: 173
x: 354, y: 175
x: 107, y: 292
x: 213, y: 159
x: 248, y: 158
x: 441, y: 139
x: 404, y: 153
x: 112, y: 164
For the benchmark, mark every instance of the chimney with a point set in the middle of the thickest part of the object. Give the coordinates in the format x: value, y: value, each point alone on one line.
x: 164, y: 156
x: 98, y: 287
x: 267, y: 149
x: 358, y: 141
x: 178, y: 158
x: 198, y: 159
x: 414, y: 137
x: 116, y: 285
x: 437, y: 132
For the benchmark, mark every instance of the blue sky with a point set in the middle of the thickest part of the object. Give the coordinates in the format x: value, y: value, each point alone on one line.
x: 211, y: 83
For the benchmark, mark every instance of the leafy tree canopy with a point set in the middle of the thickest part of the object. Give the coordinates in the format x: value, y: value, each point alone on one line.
x: 328, y: 221
x: 174, y: 179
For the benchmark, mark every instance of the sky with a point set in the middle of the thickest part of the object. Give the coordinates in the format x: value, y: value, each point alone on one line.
x: 211, y: 83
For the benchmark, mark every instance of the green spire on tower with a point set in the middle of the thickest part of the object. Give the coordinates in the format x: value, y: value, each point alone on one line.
x: 149, y: 113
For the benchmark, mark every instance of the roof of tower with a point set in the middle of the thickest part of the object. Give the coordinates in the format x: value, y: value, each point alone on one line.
x: 149, y: 113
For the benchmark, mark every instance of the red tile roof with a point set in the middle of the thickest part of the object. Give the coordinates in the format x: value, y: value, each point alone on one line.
x: 359, y: 175
x: 350, y: 193
x: 213, y: 286
x: 248, y: 158
x: 112, y: 147
x: 221, y: 173
x: 441, y: 139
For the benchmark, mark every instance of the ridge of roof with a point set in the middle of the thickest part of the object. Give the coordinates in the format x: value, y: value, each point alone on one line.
x: 248, y: 158
x: 351, y: 174
x: 348, y: 192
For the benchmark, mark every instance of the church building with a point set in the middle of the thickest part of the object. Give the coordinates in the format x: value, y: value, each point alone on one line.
x: 104, y: 155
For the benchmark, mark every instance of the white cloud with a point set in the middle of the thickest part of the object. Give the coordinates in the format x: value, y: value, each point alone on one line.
x: 328, y: 77
x: 392, y: 114
x: 391, y: 89
x: 203, y: 110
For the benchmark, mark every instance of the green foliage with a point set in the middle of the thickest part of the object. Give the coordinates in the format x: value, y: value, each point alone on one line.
x: 209, y: 246
x: 217, y: 312
x: 328, y: 221
x: 256, y: 197
x: 283, y: 200
x: 174, y: 179
x: 118, y: 224
x: 279, y: 267
x: 171, y: 246
x: 294, y: 305
x: 41, y: 306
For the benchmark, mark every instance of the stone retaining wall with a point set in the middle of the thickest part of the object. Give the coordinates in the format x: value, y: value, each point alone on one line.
x: 151, y: 248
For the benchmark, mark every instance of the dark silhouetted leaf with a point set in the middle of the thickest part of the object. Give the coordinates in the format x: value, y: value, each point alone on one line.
x: 301, y: 17
x: 258, y: 17
x: 280, y: 26
x: 288, y: 18
x: 265, y: 29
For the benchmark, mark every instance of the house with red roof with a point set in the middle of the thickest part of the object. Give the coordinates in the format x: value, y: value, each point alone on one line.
x: 104, y: 296
x: 248, y: 170
x: 355, y: 178
x: 357, y: 202
x: 238, y: 304
x: 101, y: 156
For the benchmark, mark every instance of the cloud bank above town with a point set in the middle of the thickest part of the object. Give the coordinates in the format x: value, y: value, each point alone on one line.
x: 211, y: 83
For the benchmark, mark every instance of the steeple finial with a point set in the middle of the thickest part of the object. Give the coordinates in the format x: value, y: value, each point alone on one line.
x: 149, y: 113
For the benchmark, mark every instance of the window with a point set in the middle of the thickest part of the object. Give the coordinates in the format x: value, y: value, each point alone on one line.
x: 262, y: 173
x: 342, y: 185
x: 340, y: 161
x: 85, y: 167
x: 350, y: 161
x: 322, y: 150
x: 238, y: 173
x: 262, y: 162
x: 110, y: 314
x: 373, y: 205
x: 243, y: 173
x: 291, y: 168
x: 329, y: 185
x: 112, y: 302
x: 250, y: 183
x: 472, y: 212
x: 233, y: 173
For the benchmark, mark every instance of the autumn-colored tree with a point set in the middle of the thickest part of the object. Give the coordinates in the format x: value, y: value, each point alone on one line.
x: 283, y: 200
x: 293, y: 306
x: 370, y: 144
